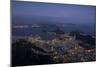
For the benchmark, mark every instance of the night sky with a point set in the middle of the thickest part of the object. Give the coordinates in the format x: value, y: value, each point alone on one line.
x: 36, y: 12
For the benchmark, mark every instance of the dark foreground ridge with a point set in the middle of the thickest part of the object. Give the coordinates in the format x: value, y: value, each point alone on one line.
x: 22, y: 54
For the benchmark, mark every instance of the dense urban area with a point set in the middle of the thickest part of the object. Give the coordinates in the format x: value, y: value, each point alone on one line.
x: 63, y: 48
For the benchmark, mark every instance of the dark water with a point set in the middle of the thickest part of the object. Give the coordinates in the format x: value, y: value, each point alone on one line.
x: 43, y: 30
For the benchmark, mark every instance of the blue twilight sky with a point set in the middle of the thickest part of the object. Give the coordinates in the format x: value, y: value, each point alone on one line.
x: 36, y: 12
